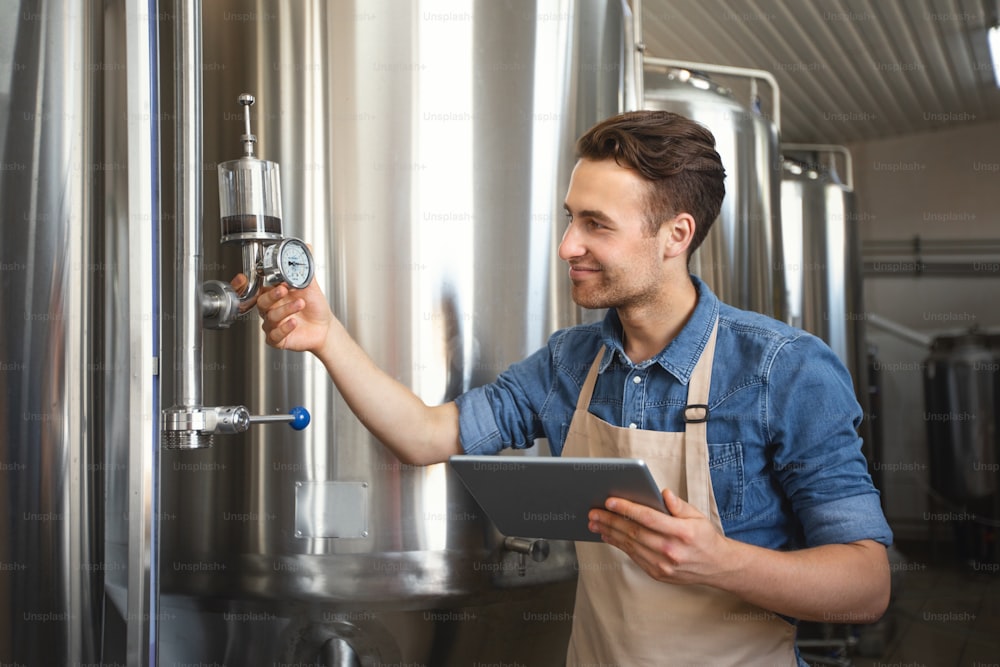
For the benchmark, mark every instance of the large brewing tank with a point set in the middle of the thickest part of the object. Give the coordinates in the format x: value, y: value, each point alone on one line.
x: 740, y: 257
x: 425, y: 150
x: 47, y: 447
x: 960, y: 399
x: 821, y: 259
x: 76, y: 350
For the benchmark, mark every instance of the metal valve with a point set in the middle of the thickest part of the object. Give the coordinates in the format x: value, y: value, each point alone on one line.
x: 193, y: 428
x: 250, y: 215
x: 538, y: 549
x: 248, y: 138
x: 220, y: 304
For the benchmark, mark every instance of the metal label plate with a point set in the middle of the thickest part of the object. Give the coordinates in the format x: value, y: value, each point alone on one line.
x: 331, y: 509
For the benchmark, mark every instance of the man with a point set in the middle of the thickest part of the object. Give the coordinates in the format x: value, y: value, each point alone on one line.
x: 748, y: 425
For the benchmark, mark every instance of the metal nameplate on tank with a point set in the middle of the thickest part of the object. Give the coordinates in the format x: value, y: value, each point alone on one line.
x: 331, y: 509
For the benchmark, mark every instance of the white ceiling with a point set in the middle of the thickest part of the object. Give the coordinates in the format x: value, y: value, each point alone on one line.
x: 848, y: 70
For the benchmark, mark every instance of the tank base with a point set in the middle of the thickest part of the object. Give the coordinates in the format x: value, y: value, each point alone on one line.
x: 522, y: 627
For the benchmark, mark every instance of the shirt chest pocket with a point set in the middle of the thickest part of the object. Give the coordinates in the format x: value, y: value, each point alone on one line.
x: 725, y: 464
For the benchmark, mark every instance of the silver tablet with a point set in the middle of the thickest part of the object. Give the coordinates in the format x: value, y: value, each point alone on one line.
x: 550, y: 496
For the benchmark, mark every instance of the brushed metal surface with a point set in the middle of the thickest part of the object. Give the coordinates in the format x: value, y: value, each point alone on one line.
x: 78, y: 353
x: 740, y: 258
x: 425, y: 150
x: 822, y: 256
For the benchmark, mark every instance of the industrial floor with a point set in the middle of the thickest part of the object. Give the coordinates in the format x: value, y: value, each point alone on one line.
x: 945, y: 613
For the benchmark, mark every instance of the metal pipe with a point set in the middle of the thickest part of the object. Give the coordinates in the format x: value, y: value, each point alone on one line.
x: 900, y: 331
x: 183, y: 423
x: 188, y: 356
x: 633, y: 57
x: 142, y: 501
x: 919, y: 268
x: 252, y: 253
x: 831, y: 149
x: 918, y: 246
x: 726, y: 70
x: 880, y: 257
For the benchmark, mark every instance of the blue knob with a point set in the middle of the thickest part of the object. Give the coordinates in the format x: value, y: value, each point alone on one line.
x: 300, y: 417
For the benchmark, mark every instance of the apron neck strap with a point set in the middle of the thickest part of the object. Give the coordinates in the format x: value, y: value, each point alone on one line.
x: 699, y: 481
x: 587, y: 390
x: 701, y: 382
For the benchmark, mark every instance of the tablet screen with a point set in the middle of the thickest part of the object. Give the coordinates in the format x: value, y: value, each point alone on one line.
x: 550, y: 497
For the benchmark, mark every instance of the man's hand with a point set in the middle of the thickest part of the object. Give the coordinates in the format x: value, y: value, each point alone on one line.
x: 832, y: 582
x: 682, y: 547
x: 292, y: 319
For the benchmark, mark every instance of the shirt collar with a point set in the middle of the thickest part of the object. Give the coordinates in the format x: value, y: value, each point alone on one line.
x: 682, y: 353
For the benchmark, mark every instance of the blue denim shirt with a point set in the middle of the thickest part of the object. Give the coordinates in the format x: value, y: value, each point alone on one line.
x: 784, y: 453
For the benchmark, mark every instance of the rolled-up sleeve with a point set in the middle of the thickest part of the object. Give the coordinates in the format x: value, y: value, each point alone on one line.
x: 812, y: 419
x: 846, y: 520
x: 505, y: 413
x: 477, y: 424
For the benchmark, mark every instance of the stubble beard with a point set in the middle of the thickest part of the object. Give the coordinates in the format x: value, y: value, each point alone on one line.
x: 611, y: 292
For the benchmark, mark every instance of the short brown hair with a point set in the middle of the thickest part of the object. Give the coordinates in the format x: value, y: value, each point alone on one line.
x: 676, y: 155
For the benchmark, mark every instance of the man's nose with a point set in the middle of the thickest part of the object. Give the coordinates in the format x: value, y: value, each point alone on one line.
x: 570, y: 246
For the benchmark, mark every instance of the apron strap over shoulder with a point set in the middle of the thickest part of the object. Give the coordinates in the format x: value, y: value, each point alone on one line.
x: 587, y: 390
x: 699, y: 481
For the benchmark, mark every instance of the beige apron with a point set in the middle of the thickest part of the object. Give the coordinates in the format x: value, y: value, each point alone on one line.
x: 622, y: 615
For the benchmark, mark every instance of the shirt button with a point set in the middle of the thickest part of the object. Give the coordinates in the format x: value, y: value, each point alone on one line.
x: 633, y: 425
x: 636, y: 380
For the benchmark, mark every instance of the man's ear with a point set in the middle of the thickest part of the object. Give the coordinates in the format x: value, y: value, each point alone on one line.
x: 678, y: 232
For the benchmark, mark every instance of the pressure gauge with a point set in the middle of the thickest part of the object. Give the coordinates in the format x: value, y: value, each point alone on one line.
x: 288, y: 261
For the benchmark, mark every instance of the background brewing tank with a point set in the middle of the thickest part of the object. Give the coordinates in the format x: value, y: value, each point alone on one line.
x: 821, y: 260
x: 425, y: 150
x: 960, y: 400
x: 740, y: 258
x: 821, y: 255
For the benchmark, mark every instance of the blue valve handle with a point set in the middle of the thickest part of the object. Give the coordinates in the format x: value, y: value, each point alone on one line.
x: 300, y: 417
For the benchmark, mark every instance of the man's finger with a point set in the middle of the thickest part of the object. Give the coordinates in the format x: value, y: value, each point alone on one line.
x: 281, y: 310
x: 268, y: 297
x: 679, y: 507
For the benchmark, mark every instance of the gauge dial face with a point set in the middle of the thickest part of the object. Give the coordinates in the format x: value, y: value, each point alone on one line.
x: 295, y: 262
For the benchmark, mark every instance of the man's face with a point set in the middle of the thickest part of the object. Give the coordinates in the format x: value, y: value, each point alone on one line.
x: 613, y: 262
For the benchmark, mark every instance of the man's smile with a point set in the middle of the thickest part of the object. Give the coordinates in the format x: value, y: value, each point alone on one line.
x: 577, y: 271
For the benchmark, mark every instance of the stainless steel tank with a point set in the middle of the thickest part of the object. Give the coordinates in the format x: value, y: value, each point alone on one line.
x: 821, y: 255
x: 960, y: 399
x: 425, y: 150
x: 821, y: 258
x: 77, y: 395
x: 740, y: 257
x: 47, y: 245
